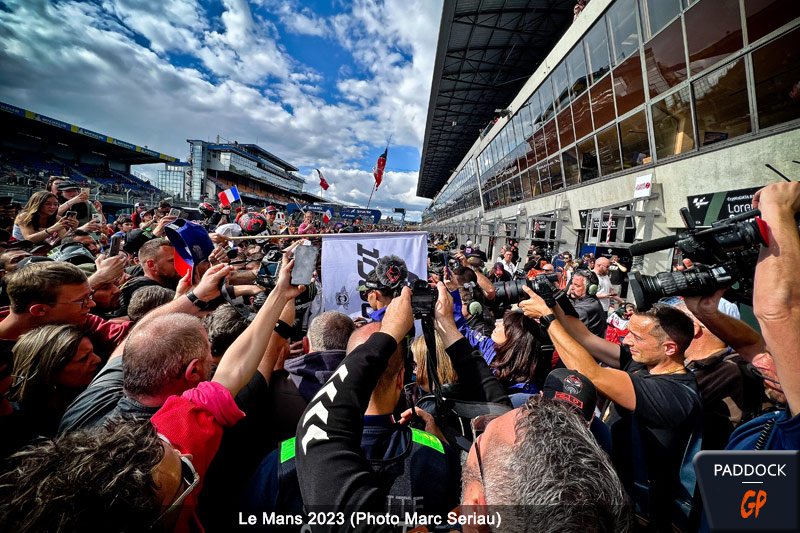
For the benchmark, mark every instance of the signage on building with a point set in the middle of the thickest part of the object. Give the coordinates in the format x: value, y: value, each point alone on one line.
x: 644, y: 185
x: 707, y: 208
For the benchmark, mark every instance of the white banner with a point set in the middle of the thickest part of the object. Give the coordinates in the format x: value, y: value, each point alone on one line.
x: 348, y: 258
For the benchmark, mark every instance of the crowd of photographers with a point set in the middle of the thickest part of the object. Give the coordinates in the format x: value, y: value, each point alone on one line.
x: 163, y: 374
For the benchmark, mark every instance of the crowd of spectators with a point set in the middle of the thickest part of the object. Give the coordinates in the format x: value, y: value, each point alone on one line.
x: 163, y: 374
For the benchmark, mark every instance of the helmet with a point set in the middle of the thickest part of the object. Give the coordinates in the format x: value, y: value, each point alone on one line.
x: 253, y: 223
x: 206, y: 209
x: 75, y: 253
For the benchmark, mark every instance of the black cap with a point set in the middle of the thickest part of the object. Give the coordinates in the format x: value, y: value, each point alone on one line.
x: 572, y: 387
x: 135, y: 239
x: 66, y: 185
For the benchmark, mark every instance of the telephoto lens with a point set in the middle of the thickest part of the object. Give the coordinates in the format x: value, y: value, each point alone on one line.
x: 698, y: 281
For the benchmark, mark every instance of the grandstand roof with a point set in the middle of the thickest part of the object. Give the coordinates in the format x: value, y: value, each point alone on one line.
x: 18, y: 120
x: 487, y: 50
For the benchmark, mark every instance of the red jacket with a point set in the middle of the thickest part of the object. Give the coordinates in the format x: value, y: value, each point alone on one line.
x: 193, y: 423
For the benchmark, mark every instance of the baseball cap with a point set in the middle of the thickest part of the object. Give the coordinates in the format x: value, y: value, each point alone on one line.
x: 272, y: 209
x: 192, y: 245
x: 135, y: 239
x: 66, y: 185
x: 572, y: 387
x: 139, y: 204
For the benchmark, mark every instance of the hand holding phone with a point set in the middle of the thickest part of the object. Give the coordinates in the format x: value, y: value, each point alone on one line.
x: 116, y: 242
x: 175, y: 212
x: 71, y: 214
x: 305, y: 262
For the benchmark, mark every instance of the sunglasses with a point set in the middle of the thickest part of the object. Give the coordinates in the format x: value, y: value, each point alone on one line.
x: 189, y: 476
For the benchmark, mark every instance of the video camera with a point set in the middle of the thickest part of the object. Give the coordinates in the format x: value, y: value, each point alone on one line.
x: 510, y: 292
x: 723, y: 255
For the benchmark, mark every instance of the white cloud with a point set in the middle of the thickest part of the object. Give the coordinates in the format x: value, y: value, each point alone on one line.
x: 83, y: 63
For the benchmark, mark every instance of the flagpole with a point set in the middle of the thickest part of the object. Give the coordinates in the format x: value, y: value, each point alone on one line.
x: 374, y: 188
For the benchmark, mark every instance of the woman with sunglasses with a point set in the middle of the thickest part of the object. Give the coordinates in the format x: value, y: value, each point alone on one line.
x: 52, y: 365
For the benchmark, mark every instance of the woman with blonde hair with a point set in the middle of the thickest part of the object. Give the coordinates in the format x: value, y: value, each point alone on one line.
x: 38, y: 220
x: 445, y: 371
x: 52, y: 365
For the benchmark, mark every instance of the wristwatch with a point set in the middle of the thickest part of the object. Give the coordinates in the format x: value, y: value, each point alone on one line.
x: 200, y: 304
x: 546, y: 320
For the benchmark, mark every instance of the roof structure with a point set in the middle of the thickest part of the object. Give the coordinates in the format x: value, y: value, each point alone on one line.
x: 487, y: 51
x: 18, y: 120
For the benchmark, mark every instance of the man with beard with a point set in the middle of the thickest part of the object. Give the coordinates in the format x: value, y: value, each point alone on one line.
x: 157, y: 259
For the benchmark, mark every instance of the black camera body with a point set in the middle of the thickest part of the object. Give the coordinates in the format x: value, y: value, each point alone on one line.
x: 510, y: 292
x: 423, y: 299
x: 724, y: 255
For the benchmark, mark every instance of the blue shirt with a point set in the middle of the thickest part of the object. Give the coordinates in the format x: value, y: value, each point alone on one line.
x: 785, y: 435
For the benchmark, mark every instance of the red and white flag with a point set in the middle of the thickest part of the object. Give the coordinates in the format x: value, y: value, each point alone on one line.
x: 327, y: 216
x: 377, y: 170
x: 322, y: 182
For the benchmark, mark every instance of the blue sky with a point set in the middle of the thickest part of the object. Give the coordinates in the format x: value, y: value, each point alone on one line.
x: 321, y: 84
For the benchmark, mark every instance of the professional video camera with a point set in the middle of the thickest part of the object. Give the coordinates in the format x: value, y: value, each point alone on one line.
x: 510, y: 292
x: 439, y: 259
x: 724, y: 255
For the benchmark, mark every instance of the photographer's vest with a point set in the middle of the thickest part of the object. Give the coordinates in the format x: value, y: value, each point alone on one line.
x: 418, y: 475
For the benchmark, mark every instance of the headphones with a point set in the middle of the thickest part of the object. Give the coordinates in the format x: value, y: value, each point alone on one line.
x: 592, y: 281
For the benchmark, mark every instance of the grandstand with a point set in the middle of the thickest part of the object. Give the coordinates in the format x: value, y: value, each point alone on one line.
x: 261, y: 178
x: 34, y: 147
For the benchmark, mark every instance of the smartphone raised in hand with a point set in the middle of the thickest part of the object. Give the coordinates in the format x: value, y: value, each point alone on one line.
x: 305, y: 262
x: 116, y: 243
x: 71, y: 214
x: 175, y: 212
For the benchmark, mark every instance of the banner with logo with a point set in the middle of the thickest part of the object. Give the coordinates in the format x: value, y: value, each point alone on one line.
x: 347, y: 258
x: 708, y: 208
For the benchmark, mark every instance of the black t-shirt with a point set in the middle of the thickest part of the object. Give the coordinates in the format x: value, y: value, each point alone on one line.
x: 591, y: 313
x: 616, y: 275
x: 667, y: 411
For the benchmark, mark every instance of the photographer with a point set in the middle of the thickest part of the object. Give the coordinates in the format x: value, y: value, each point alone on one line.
x: 583, y: 292
x: 331, y: 443
x: 655, y: 411
x: 775, y: 297
x: 383, y: 283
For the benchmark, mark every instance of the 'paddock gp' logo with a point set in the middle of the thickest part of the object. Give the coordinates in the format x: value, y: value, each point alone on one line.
x: 749, y: 490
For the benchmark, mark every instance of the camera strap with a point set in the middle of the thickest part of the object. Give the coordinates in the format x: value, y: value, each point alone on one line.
x: 429, y: 333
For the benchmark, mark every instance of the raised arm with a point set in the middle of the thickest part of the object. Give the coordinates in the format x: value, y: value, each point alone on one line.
x: 775, y: 292
x: 602, y: 350
x: 242, y: 358
x: 616, y: 385
x: 735, y: 333
x: 329, y: 433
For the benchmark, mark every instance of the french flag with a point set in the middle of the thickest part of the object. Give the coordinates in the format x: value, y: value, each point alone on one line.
x: 229, y: 196
x: 327, y: 216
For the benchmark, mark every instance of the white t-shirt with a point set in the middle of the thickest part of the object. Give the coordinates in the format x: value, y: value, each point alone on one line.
x: 604, y: 288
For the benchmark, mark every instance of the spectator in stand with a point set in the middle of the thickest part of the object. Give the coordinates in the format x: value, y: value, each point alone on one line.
x: 52, y: 365
x: 38, y: 220
x: 308, y: 224
x: 582, y: 291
